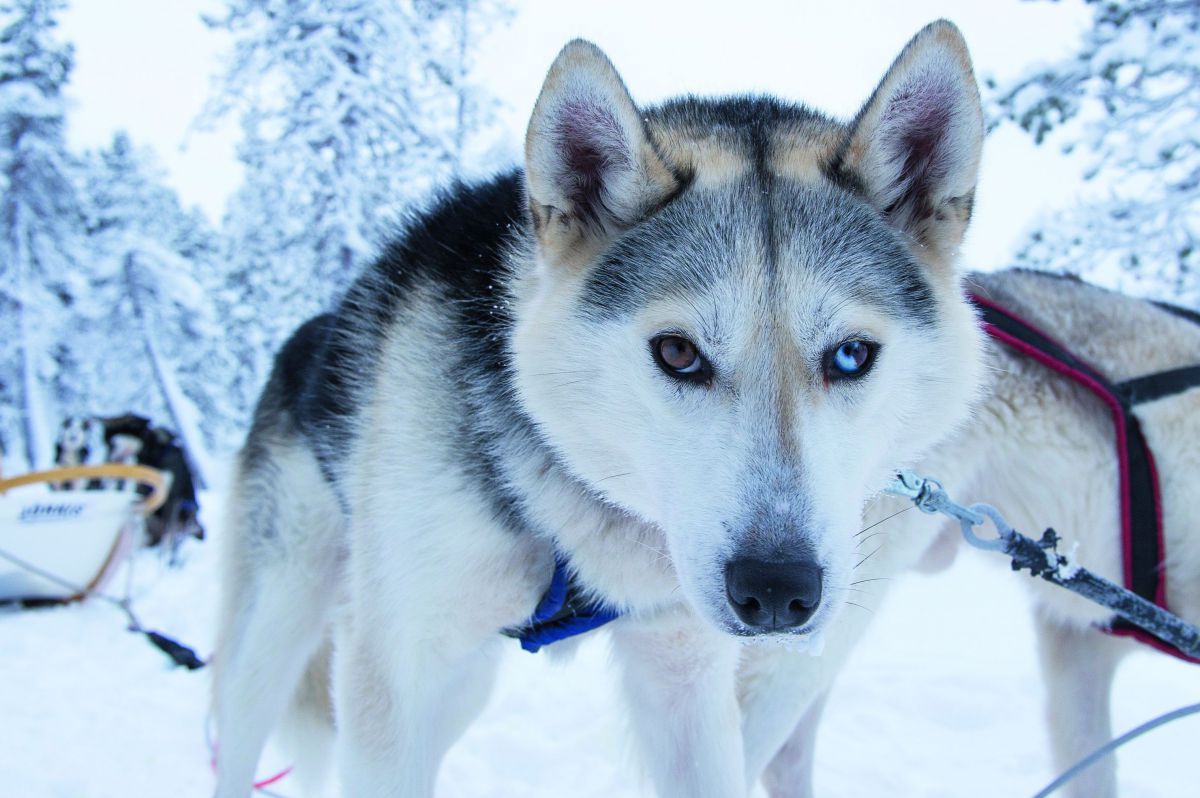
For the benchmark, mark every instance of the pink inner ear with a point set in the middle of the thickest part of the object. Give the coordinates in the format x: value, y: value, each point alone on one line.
x: 590, y: 144
x: 914, y: 131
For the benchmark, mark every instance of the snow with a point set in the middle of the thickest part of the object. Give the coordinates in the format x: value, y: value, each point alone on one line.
x: 942, y: 699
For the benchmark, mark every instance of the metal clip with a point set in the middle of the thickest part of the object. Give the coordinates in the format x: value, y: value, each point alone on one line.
x: 930, y: 497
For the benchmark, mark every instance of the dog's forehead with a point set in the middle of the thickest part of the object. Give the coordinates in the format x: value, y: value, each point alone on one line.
x: 716, y: 141
x: 760, y: 218
x: 753, y: 243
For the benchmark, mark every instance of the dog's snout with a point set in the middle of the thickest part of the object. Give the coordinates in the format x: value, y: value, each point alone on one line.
x: 773, y: 596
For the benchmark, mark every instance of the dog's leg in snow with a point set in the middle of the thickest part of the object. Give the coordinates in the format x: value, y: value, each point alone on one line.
x: 275, y: 632
x: 402, y: 702
x: 790, y: 773
x: 679, y: 676
x: 414, y: 660
x: 1078, y: 666
x: 776, y: 687
x: 307, y: 732
x: 278, y: 585
x: 782, y: 693
x: 257, y: 671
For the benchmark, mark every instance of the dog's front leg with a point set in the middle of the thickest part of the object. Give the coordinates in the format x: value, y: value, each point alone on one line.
x: 1078, y: 665
x: 679, y: 675
x: 400, y: 707
x: 790, y: 773
x: 782, y: 693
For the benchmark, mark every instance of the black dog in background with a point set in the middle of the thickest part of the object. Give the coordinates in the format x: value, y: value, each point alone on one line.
x: 132, y: 439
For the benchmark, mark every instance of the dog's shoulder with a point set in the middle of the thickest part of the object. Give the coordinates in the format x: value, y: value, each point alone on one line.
x: 460, y: 242
x: 452, y: 257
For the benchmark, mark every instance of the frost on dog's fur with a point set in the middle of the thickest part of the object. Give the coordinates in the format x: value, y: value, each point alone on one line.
x: 489, y: 394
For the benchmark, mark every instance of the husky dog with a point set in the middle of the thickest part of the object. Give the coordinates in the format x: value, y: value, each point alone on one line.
x: 1042, y: 450
x: 80, y: 441
x: 680, y: 349
x: 133, y: 439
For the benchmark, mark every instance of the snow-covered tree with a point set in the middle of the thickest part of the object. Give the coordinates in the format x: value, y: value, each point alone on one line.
x: 152, y: 272
x: 41, y: 228
x: 351, y: 110
x: 1130, y: 95
x: 458, y: 105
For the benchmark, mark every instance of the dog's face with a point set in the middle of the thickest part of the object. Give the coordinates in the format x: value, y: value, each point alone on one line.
x: 75, y: 438
x: 745, y: 317
x: 124, y: 448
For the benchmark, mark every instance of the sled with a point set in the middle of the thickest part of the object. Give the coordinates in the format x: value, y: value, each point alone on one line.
x: 60, y: 545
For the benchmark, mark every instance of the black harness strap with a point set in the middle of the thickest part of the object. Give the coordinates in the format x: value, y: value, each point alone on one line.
x: 1152, y: 387
x: 1141, y: 508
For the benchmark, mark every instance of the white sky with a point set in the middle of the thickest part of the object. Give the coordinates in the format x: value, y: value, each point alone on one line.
x: 146, y: 66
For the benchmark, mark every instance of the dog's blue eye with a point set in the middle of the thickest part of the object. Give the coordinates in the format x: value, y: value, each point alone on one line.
x: 851, y: 359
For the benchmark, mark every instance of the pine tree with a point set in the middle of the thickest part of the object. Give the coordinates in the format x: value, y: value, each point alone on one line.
x: 152, y: 271
x: 1131, y: 96
x: 351, y: 110
x: 453, y: 27
x: 41, y: 228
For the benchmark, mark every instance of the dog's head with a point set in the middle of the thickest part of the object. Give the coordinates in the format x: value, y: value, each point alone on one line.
x: 75, y: 441
x: 743, y: 316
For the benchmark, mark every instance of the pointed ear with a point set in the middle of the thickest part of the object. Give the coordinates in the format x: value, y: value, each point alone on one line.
x: 915, y: 145
x: 591, y: 168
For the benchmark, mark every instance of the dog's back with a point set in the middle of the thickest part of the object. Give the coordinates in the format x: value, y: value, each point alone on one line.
x: 1123, y: 338
x: 1044, y: 451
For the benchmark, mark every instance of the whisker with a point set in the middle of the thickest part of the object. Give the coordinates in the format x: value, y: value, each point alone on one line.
x: 662, y: 555
x: 614, y: 476
x: 634, y: 537
x: 872, y: 535
x: 889, y: 518
x: 869, y: 556
x: 867, y: 610
x: 873, y: 579
x: 565, y: 371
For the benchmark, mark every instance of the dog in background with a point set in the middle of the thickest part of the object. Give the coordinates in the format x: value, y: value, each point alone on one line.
x: 80, y: 441
x: 133, y: 440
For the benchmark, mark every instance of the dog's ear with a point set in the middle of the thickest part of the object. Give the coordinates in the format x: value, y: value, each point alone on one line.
x: 915, y: 146
x: 591, y: 167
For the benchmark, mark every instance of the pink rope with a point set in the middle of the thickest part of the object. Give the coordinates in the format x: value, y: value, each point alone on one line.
x: 258, y: 785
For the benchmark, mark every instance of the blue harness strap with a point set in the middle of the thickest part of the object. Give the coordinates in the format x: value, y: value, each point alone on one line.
x: 563, y: 612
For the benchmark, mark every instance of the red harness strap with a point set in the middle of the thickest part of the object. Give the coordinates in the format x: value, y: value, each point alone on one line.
x: 1141, y: 504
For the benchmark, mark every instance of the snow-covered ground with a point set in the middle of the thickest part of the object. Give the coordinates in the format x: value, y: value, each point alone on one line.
x: 942, y: 699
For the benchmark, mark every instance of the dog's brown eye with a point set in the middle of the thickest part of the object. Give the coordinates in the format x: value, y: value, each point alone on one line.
x: 679, y: 353
x: 680, y: 358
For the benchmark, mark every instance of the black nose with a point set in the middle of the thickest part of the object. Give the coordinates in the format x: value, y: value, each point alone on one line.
x: 773, y: 596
